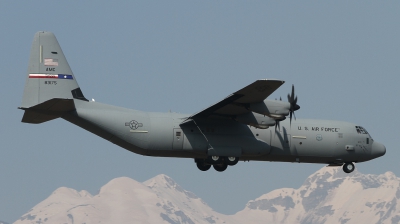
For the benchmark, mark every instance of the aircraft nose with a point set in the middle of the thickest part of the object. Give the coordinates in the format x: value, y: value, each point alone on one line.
x: 378, y: 149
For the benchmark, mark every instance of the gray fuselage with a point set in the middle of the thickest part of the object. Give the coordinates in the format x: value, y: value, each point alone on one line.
x: 170, y: 135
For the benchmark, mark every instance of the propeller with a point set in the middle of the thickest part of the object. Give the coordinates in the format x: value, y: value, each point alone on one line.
x: 293, y: 104
x: 277, y: 125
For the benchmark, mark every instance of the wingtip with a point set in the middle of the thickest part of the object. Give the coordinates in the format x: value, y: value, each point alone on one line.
x: 276, y: 80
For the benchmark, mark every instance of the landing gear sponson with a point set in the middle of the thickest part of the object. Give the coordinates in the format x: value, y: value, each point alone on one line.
x: 219, y: 163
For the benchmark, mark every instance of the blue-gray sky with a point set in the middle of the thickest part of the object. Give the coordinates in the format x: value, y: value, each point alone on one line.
x: 342, y: 57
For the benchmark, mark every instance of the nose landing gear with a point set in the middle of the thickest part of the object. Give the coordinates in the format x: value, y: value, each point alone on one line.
x: 348, y: 167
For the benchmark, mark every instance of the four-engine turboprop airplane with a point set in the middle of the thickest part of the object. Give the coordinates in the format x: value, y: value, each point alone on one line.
x: 243, y: 126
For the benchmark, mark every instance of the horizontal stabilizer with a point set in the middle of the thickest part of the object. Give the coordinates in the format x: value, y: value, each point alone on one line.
x: 48, y: 110
x: 33, y: 117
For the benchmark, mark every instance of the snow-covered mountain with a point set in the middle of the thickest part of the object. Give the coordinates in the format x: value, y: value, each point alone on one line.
x: 330, y: 196
x: 124, y: 200
x: 327, y: 196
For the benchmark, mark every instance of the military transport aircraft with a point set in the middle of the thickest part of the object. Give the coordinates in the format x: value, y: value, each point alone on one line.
x: 243, y: 126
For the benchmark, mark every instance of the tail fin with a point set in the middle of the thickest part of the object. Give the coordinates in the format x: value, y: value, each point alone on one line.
x: 49, y: 81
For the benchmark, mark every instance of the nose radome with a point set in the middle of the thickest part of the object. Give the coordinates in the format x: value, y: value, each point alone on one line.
x: 378, y: 149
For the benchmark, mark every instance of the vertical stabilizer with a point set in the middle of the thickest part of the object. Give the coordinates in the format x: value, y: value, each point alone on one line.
x: 50, y: 84
x: 49, y: 75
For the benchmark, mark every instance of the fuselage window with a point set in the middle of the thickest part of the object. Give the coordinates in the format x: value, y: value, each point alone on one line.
x: 367, y: 140
x: 178, y: 133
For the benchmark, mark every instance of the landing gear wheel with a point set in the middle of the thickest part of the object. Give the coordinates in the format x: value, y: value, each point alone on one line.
x: 231, y: 160
x: 202, y: 166
x: 348, y: 167
x: 214, y: 159
x: 220, y: 167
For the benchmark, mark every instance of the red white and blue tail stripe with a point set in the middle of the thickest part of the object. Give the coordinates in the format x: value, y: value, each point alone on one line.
x: 50, y: 76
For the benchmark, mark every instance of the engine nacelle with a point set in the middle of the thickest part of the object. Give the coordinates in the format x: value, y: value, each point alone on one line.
x: 256, y: 120
x: 272, y: 108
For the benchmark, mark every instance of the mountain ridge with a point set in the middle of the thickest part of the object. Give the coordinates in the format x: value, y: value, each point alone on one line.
x: 326, y: 196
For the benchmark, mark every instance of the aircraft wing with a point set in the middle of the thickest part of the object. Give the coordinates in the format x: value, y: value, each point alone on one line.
x: 253, y: 93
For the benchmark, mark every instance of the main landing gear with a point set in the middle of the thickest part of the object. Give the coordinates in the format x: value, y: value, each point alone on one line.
x: 218, y: 162
x: 348, y: 167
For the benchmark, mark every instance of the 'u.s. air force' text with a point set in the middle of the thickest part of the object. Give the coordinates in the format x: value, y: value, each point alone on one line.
x: 318, y: 129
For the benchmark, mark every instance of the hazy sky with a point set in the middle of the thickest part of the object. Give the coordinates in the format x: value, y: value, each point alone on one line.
x: 343, y: 58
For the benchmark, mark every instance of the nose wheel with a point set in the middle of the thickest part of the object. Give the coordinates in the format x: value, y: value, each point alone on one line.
x: 348, y: 167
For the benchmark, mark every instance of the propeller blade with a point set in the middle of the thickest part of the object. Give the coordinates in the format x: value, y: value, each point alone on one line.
x: 292, y: 93
x: 277, y: 125
x: 292, y: 99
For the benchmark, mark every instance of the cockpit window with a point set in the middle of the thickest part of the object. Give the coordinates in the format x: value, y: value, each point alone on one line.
x: 361, y: 130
